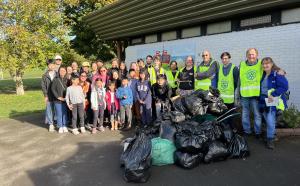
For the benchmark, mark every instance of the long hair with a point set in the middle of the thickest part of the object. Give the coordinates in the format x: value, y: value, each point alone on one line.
x: 270, y: 60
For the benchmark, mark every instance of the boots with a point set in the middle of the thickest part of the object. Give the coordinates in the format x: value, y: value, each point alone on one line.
x: 270, y: 144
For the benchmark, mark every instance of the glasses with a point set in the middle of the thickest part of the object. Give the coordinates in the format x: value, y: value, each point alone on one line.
x: 58, y: 59
x: 204, y: 55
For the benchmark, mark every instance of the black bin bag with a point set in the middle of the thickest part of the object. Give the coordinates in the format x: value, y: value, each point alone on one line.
x: 137, y: 159
x: 167, y: 130
x: 178, y: 105
x: 238, y: 147
x: 177, y: 117
x: 189, y: 142
x: 187, y: 160
x: 217, y: 151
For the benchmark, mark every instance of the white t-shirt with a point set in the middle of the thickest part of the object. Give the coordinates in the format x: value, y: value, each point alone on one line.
x: 52, y: 75
x: 112, y: 95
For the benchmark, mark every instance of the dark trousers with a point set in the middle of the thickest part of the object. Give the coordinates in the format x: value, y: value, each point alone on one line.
x: 77, y: 109
x: 146, y: 114
x: 98, y: 114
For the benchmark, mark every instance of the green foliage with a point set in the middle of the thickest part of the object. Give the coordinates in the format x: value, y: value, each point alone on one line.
x: 31, y: 32
x: 70, y: 56
x: 86, y: 42
x: 291, y: 117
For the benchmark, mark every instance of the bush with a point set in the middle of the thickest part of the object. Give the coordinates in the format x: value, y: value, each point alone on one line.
x: 291, y: 116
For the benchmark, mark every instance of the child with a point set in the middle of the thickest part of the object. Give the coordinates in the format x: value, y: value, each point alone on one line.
x: 98, y: 104
x: 113, y: 105
x: 143, y: 95
x: 115, y: 77
x: 124, y: 94
x: 161, y: 95
x: 136, y: 105
x: 75, y: 100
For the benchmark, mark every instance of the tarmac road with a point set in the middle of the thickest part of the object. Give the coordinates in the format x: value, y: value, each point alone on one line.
x: 30, y: 155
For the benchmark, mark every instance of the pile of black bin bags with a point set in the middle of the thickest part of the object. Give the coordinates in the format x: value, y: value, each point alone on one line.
x: 192, y: 127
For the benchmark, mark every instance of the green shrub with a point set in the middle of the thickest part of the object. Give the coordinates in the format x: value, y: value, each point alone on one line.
x: 291, y: 116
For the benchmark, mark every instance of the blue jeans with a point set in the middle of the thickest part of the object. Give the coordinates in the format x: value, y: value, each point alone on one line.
x: 146, y: 114
x: 247, y: 104
x: 61, y: 114
x: 270, y: 118
x: 49, y: 113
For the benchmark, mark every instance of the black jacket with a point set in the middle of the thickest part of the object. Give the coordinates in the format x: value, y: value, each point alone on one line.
x: 59, y: 88
x: 161, y: 93
x: 46, y: 86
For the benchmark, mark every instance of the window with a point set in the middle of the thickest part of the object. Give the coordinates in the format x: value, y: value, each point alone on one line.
x: 151, y: 38
x: 290, y: 16
x: 256, y: 21
x: 136, y: 40
x: 220, y: 27
x: 166, y: 36
x: 191, y: 32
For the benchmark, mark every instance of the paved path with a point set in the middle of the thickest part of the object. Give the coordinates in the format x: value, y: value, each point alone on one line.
x: 30, y: 155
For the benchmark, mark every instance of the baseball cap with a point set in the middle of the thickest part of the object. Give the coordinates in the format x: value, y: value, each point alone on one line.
x: 85, y: 64
x: 58, y: 57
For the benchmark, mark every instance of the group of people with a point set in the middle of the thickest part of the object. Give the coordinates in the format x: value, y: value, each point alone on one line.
x: 142, y: 93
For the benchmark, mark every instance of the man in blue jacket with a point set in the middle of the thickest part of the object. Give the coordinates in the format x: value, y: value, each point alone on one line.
x: 124, y: 94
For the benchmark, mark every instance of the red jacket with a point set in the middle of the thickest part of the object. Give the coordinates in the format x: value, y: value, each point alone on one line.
x: 108, y: 101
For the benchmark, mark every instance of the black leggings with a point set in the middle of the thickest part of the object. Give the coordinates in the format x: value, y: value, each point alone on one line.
x: 77, y: 110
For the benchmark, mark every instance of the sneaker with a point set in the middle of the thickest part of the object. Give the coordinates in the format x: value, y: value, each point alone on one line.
x: 270, y: 144
x: 94, y: 131
x: 82, y: 129
x: 51, y: 128
x: 75, y: 131
x: 65, y: 129
x: 101, y: 129
x: 60, y: 130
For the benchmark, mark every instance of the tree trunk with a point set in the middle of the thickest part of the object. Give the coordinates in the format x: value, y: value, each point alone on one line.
x: 19, y: 84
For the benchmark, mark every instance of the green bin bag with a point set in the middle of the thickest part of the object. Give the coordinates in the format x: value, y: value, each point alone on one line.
x: 162, y: 152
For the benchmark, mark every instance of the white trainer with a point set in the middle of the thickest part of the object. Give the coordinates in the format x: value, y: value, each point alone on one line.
x: 75, y: 131
x: 65, y: 129
x: 82, y: 129
x: 60, y: 130
x: 51, y: 128
x: 101, y: 129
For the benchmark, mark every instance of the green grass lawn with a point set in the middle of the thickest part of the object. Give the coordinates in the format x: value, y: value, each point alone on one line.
x: 30, y: 73
x: 12, y: 105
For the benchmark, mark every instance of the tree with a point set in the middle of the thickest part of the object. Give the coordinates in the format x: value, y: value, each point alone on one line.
x: 86, y: 42
x: 30, y: 32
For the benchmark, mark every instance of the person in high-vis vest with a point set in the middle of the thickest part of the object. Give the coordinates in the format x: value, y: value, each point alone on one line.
x: 273, y: 86
x: 186, y: 77
x: 172, y: 75
x: 150, y: 70
x: 206, y: 72
x: 249, y: 79
x: 156, y: 70
x: 228, y: 76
